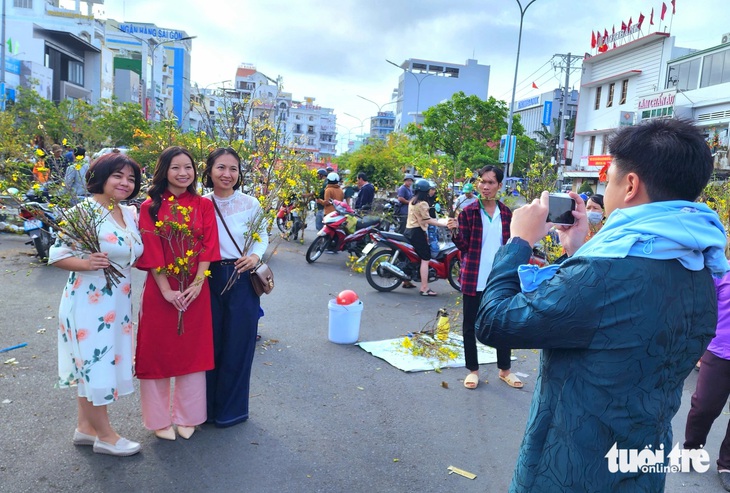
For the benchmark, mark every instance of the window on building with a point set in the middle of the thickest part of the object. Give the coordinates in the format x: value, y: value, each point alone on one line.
x: 310, y: 142
x: 716, y: 69
x: 23, y: 4
x: 684, y: 76
x: 76, y: 72
x: 604, y: 145
x: 611, y: 90
x: 311, y: 118
x: 310, y: 129
x: 298, y: 117
x: 598, y: 98
x: 297, y: 128
x: 212, y: 103
x: 592, y: 149
x: 624, y: 91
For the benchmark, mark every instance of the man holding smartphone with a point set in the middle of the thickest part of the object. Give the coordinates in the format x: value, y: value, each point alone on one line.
x: 621, y: 322
x: 482, y: 228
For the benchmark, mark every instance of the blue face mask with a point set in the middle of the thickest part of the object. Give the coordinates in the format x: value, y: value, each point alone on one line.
x: 594, y: 217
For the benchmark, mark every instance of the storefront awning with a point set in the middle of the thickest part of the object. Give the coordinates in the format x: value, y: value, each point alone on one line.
x: 69, y: 40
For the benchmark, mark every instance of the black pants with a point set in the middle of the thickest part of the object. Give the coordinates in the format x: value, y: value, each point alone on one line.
x: 471, y: 306
x: 708, y: 401
x: 402, y: 220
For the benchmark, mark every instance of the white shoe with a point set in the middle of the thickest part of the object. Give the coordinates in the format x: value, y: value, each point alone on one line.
x: 165, y: 433
x: 185, y: 431
x: 122, y: 448
x: 83, y: 438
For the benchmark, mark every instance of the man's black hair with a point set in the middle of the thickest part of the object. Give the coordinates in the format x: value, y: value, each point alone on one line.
x: 362, y: 176
x: 669, y: 155
x: 497, y: 172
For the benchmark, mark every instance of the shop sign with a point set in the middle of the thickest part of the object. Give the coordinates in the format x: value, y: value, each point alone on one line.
x: 600, y: 160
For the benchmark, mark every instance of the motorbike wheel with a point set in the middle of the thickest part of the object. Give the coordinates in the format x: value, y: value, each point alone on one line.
x: 317, y: 248
x: 42, y: 244
x: 454, y: 273
x: 377, y: 278
x: 284, y: 224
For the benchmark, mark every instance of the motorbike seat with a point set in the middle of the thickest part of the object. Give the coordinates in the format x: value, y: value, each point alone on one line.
x: 393, y: 236
x: 367, y: 221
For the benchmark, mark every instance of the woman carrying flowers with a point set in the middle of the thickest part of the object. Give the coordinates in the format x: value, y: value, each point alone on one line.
x: 236, y: 307
x: 95, y: 328
x: 175, y: 336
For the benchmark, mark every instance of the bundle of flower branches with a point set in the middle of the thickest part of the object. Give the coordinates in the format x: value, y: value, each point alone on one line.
x: 182, y: 242
x: 78, y: 227
x: 258, y: 223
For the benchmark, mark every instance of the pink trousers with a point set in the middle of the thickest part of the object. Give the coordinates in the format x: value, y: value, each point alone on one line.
x: 188, y: 402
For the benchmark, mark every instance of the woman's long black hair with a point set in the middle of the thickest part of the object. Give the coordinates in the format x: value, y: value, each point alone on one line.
x: 159, y: 179
x: 419, y: 196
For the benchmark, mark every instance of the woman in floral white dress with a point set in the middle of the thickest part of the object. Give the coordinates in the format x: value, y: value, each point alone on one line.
x: 95, y: 333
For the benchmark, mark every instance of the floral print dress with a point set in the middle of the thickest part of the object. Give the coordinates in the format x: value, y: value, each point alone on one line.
x: 95, y: 331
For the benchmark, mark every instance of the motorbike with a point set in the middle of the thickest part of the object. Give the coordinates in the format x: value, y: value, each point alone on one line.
x: 32, y: 210
x: 289, y: 220
x: 397, y: 262
x: 343, y: 230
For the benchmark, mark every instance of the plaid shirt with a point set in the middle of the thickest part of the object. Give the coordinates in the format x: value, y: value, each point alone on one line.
x: 469, y: 241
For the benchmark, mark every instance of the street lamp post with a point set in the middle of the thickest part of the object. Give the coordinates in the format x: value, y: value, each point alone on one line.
x: 349, y: 133
x: 380, y: 106
x: 508, y: 152
x: 361, y: 120
x: 418, y: 85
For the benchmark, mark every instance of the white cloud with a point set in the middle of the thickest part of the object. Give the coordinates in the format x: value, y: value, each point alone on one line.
x: 335, y: 50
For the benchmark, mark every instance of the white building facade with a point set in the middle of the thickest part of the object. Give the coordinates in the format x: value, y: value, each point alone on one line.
x: 425, y: 83
x: 544, y: 109
x: 615, y: 87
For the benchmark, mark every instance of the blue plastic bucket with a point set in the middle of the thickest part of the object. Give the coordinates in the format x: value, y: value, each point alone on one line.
x: 344, y: 326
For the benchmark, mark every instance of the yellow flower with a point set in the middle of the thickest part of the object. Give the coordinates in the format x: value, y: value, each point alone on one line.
x: 36, y: 186
x: 207, y: 273
x: 176, y: 270
x: 79, y: 158
x: 78, y: 167
x: 64, y: 142
x: 180, y: 261
x: 172, y: 198
x: 159, y: 224
x: 256, y: 237
x: 170, y: 266
x: 62, y: 223
x: 159, y: 269
x: 189, y: 253
x: 39, y: 153
x: 407, y: 343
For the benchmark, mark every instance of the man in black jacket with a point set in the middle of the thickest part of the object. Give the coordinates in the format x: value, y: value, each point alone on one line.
x: 366, y: 193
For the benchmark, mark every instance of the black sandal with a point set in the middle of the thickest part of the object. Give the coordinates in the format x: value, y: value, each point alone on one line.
x: 428, y: 292
x: 408, y: 285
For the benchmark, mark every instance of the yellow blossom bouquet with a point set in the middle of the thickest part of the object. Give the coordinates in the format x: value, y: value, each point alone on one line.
x: 181, y: 240
x: 78, y: 228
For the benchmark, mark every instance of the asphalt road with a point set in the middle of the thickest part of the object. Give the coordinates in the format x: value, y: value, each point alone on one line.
x: 324, y: 417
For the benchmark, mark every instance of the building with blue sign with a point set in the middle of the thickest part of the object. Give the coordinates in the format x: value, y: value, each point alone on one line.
x: 545, y: 109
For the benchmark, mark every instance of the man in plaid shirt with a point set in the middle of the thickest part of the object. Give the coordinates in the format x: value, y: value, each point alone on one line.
x: 482, y: 227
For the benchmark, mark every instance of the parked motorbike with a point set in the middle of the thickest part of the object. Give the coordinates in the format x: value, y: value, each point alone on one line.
x: 289, y: 220
x: 32, y: 210
x: 397, y: 262
x: 343, y: 230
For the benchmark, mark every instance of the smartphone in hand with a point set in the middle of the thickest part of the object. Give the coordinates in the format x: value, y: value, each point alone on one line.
x: 561, y: 207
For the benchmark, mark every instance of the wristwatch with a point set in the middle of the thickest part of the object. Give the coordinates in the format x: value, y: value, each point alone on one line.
x: 518, y: 241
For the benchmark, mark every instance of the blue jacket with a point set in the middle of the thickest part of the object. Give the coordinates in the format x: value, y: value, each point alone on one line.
x: 619, y: 336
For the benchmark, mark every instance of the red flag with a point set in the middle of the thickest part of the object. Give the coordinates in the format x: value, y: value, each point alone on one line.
x: 651, y: 17
x: 534, y: 86
x: 593, y: 39
x: 623, y: 26
x: 641, y: 20
x: 674, y: 7
x: 664, y: 11
x: 629, y: 24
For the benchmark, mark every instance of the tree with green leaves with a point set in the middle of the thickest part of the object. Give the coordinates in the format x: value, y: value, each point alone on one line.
x: 465, y: 128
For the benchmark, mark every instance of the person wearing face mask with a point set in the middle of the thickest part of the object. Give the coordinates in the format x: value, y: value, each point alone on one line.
x: 595, y: 214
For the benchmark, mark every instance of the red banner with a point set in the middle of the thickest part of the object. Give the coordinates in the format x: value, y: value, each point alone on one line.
x: 600, y: 160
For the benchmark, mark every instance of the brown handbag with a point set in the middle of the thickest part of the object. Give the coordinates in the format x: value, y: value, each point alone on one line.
x: 262, y: 279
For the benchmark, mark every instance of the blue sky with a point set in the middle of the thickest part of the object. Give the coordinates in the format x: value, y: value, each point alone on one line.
x: 335, y: 50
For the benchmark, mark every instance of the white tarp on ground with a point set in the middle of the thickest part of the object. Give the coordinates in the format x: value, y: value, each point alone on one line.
x: 392, y: 351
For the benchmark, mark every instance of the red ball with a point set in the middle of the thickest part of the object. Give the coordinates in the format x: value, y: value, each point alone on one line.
x: 347, y: 297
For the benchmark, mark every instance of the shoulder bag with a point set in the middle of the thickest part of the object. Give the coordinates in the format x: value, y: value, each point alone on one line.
x: 262, y: 279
